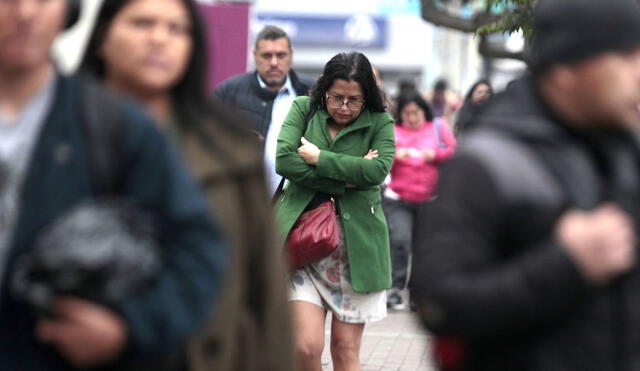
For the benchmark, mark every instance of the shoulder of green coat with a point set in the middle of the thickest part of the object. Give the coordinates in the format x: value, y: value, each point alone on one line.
x: 303, y: 101
x: 381, y: 118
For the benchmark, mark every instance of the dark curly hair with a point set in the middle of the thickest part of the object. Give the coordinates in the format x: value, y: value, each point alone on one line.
x: 352, y: 66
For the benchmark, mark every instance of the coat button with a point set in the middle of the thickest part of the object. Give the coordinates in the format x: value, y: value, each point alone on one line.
x: 346, y: 216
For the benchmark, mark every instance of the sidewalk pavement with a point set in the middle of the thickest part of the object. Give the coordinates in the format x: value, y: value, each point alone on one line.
x: 397, y: 343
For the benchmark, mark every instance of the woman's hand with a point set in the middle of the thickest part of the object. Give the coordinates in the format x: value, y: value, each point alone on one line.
x: 309, y: 152
x: 402, y: 153
x: 429, y: 154
x: 373, y: 153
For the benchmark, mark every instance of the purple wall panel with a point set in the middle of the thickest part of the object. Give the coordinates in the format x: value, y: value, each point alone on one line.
x: 227, y: 33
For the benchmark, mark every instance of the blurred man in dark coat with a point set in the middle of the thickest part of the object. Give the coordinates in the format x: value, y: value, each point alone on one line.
x: 529, y: 254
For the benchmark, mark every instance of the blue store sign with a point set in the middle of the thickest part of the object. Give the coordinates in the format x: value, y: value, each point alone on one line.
x: 355, y: 31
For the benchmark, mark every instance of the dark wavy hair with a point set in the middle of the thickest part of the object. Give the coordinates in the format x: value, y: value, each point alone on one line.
x: 189, y: 94
x: 412, y: 97
x: 352, y: 66
x: 467, y: 98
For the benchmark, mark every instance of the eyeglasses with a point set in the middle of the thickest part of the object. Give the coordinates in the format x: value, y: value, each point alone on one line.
x: 337, y: 101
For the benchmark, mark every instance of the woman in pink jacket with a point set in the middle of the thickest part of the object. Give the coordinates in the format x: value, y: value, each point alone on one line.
x: 422, y: 143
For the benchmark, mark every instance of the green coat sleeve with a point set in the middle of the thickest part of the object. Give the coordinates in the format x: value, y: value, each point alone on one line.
x: 358, y: 170
x: 290, y: 165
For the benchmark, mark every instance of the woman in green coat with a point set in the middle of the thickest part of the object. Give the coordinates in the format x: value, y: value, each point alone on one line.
x: 344, y: 153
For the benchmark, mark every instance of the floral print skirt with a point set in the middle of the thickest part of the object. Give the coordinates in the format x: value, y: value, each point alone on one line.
x: 327, y: 283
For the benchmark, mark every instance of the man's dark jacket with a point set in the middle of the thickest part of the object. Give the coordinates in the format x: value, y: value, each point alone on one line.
x: 60, y: 176
x: 487, y: 268
x: 245, y: 93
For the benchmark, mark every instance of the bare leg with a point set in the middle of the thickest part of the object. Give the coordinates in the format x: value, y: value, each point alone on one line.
x: 308, y: 322
x: 346, y: 339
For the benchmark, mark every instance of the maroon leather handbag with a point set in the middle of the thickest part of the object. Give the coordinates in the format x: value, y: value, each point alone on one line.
x: 315, y: 235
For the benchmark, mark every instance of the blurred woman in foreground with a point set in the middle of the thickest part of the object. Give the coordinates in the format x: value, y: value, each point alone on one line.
x: 154, y: 51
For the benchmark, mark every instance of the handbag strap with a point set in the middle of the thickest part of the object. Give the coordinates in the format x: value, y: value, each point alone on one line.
x: 313, y: 107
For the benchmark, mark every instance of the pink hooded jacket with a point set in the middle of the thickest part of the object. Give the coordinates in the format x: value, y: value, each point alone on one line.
x: 412, y: 178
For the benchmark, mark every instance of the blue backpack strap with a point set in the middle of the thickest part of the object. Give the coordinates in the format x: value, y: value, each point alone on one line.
x: 437, y: 123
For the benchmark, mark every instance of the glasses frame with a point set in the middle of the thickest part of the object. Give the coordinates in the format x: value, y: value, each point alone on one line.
x: 345, y: 101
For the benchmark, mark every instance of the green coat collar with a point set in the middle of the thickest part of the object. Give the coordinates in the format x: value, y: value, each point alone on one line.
x: 363, y: 121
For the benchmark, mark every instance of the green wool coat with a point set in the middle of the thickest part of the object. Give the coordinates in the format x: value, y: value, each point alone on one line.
x: 341, y: 162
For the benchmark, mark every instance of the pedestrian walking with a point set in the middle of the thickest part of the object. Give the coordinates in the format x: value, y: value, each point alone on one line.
x: 49, y: 146
x: 475, y: 100
x: 161, y: 62
x: 266, y: 94
x: 443, y: 101
x: 423, y: 143
x: 528, y: 255
x: 342, y: 152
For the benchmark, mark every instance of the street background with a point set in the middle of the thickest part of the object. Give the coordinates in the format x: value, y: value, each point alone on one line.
x: 391, y: 33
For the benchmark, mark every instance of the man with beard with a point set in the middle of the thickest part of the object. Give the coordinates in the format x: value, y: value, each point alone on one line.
x: 529, y: 254
x: 266, y: 94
